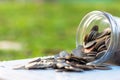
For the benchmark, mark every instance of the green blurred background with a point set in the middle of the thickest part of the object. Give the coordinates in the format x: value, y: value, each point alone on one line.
x: 32, y: 28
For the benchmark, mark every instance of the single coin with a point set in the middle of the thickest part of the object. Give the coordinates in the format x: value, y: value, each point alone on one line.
x: 100, y: 54
x: 94, y: 28
x: 90, y: 44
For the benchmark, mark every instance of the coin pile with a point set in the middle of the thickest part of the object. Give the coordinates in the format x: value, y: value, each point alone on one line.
x: 63, y: 62
x: 95, y: 45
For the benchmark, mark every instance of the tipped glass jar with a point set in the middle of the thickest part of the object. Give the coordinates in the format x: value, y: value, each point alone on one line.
x: 89, y: 32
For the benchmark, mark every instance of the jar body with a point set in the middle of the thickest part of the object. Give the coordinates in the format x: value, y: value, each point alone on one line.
x: 103, y: 20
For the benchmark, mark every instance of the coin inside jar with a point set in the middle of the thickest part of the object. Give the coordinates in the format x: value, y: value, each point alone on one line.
x: 96, y: 41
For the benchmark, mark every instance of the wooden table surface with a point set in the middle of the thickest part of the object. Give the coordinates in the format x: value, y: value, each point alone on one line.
x: 7, y: 73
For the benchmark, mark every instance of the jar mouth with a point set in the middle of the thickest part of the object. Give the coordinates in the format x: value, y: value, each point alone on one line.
x: 104, y: 20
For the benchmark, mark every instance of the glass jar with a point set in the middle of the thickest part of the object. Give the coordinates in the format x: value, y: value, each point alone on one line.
x: 103, y: 20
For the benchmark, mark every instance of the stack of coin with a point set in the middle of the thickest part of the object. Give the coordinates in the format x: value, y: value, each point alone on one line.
x: 96, y: 43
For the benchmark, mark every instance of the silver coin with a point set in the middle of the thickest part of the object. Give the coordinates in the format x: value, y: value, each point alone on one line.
x: 71, y: 68
x: 107, y: 31
x: 61, y: 65
x: 63, y: 54
x: 35, y: 60
x: 79, y: 51
x: 101, y: 48
x: 103, y: 68
x: 90, y: 35
x: 99, y: 43
x: 85, y: 39
x: 100, y: 54
x: 107, y: 42
x: 90, y: 44
x: 85, y: 67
